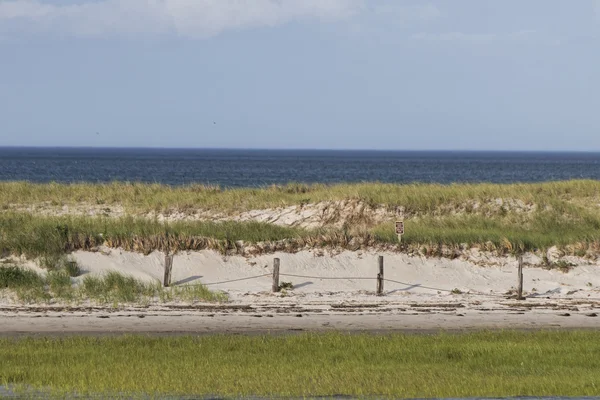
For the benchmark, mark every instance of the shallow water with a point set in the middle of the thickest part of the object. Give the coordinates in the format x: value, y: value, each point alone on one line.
x: 251, y: 168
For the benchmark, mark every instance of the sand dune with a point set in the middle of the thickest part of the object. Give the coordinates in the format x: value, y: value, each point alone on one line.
x: 419, y: 300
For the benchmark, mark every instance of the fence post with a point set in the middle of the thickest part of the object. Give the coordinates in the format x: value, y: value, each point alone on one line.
x: 168, y: 268
x: 520, y: 277
x: 168, y: 262
x: 275, y: 287
x: 380, y: 277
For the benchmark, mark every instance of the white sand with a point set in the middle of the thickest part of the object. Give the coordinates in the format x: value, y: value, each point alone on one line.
x: 209, y: 267
x: 567, y: 300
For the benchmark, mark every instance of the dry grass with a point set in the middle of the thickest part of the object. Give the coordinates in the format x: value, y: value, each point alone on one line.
x: 442, y: 221
x: 50, y: 238
x: 414, y: 198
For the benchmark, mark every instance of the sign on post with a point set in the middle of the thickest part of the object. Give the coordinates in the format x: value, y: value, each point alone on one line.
x: 399, y: 229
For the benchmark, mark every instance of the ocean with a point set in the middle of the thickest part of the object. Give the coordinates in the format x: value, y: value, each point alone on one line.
x: 256, y: 168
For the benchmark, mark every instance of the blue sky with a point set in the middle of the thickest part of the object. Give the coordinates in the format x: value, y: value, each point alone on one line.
x: 327, y: 74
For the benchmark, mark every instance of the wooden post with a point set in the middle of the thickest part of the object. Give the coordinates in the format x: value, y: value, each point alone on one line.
x: 380, y: 277
x: 168, y: 268
x: 168, y: 261
x: 520, y: 277
x: 275, y: 275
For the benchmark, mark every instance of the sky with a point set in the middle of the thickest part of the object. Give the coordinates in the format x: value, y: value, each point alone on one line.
x: 309, y: 74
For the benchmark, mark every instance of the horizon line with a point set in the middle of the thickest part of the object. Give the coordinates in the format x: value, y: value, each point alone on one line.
x: 295, y: 149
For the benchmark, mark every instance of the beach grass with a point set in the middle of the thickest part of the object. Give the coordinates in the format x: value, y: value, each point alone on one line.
x: 414, y: 198
x: 49, y: 239
x: 28, y: 285
x: 483, y: 364
x: 538, y: 231
x: 110, y: 288
x: 563, y: 214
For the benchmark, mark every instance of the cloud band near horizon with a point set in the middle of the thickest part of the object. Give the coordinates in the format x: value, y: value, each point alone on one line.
x: 188, y: 18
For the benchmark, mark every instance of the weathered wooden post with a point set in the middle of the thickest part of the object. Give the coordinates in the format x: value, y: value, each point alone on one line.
x: 275, y: 287
x: 520, y: 278
x: 380, y: 277
x: 168, y: 263
x: 168, y: 268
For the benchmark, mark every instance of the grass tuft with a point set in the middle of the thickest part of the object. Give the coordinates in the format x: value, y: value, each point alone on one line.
x: 15, y: 277
x: 28, y: 285
x: 72, y: 268
x: 193, y: 293
x: 116, y: 287
x: 112, y: 288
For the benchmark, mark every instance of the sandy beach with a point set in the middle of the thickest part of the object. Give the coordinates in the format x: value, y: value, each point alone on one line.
x: 330, y: 292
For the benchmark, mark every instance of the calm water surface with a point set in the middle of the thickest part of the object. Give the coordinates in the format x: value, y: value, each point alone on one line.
x: 251, y: 168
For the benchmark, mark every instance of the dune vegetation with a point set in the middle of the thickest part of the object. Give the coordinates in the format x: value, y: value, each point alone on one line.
x: 414, y: 198
x: 112, y: 288
x: 440, y: 220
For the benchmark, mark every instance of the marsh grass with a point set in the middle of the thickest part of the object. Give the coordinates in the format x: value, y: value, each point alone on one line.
x: 111, y: 288
x: 485, y: 364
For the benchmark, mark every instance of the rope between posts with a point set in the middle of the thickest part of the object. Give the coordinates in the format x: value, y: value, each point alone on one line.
x: 328, y: 277
x: 538, y: 295
x: 384, y: 279
x: 233, y: 280
x: 339, y: 278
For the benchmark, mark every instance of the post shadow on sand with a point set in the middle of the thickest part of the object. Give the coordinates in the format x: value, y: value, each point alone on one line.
x: 187, y: 280
x: 406, y: 289
x: 300, y: 285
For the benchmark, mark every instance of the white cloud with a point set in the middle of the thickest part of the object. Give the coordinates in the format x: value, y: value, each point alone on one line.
x: 472, y: 37
x: 191, y: 18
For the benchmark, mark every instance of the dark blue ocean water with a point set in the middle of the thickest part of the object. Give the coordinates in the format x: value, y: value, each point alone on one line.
x: 230, y: 168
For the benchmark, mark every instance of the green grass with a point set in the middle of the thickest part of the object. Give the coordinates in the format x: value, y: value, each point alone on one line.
x: 111, y: 288
x: 28, y: 285
x: 60, y: 285
x: 191, y: 293
x: 118, y: 288
x: 420, y: 198
x: 566, y: 215
x: 15, y: 277
x: 539, y: 231
x: 400, y: 366
x: 51, y: 238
